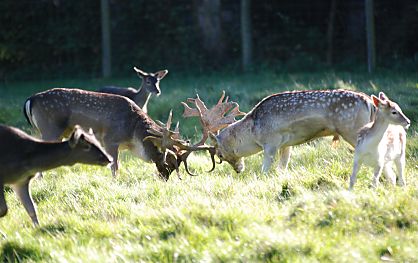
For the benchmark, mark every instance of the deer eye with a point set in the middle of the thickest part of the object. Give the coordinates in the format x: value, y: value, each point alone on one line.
x: 148, y: 82
x: 394, y: 112
x: 220, y: 155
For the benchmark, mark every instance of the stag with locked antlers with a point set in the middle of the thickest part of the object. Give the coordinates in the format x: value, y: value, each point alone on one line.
x: 123, y: 126
x: 283, y: 120
x: 212, y: 120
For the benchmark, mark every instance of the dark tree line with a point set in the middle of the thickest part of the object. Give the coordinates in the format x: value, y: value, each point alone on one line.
x: 58, y: 38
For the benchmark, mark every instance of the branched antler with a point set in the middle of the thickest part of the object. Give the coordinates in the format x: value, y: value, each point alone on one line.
x: 218, y: 117
x: 170, y: 142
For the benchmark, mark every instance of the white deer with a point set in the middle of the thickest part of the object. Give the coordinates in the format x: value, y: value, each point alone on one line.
x: 150, y: 85
x: 285, y: 119
x: 23, y: 155
x: 382, y: 142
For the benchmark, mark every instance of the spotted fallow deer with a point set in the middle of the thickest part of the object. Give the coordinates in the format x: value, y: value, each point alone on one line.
x: 285, y: 119
x: 150, y: 85
x: 23, y: 155
x: 117, y: 122
x: 382, y: 142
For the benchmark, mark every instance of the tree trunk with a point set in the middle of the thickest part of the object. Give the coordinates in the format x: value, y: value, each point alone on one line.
x: 330, y: 31
x: 370, y: 33
x: 210, y: 24
x: 106, y: 49
x: 246, y: 36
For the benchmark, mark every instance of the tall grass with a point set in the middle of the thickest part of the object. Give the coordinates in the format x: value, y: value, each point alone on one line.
x: 302, y: 214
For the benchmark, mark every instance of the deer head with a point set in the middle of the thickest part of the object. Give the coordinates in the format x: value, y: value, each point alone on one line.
x: 391, y: 110
x: 151, y: 81
x: 174, y: 148
x: 89, y: 150
x: 218, y: 117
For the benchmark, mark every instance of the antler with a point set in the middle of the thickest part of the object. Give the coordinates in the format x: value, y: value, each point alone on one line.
x: 215, y: 119
x: 170, y: 142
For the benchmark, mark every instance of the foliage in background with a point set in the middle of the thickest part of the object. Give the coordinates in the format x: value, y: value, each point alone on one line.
x: 55, y: 38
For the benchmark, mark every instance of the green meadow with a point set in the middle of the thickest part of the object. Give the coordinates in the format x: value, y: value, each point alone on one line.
x: 304, y: 214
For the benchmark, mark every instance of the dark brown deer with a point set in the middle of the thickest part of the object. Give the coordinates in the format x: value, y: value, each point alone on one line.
x: 117, y: 121
x: 23, y: 155
x: 285, y: 119
x: 150, y: 85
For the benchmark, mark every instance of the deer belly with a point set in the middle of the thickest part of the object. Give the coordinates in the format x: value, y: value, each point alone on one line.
x: 305, y: 129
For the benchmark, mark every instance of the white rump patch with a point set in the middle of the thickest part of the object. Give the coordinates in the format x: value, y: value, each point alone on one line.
x: 31, y: 118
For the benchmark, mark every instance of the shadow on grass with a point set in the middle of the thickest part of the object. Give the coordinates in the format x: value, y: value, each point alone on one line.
x: 52, y: 229
x: 13, y: 252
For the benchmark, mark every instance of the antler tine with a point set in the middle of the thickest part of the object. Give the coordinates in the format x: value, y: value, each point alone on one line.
x: 189, y: 112
x: 222, y: 97
x: 177, y: 130
x: 235, y: 111
x: 170, y: 117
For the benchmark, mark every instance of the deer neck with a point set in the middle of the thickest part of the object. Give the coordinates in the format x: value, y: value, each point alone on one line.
x: 51, y: 155
x: 142, y: 97
x: 378, y: 129
x: 239, y: 138
x: 145, y: 150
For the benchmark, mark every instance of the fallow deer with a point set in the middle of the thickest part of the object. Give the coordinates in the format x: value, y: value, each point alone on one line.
x: 23, y: 155
x: 285, y: 119
x: 150, y: 85
x: 117, y: 121
x: 382, y: 142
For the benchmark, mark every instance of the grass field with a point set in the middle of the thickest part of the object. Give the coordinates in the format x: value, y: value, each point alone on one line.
x: 302, y: 215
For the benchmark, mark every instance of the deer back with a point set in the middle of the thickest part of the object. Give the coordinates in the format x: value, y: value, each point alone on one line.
x: 312, y: 114
x: 130, y: 93
x: 59, y: 110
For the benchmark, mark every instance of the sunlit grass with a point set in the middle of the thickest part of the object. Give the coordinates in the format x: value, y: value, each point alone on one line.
x: 302, y: 214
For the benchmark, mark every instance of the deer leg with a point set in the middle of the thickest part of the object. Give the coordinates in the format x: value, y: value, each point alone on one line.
x: 390, y: 176
x: 353, y: 177
x: 112, y: 150
x: 270, y: 152
x: 377, y: 172
x: 400, y: 167
x: 3, y: 205
x: 285, y: 157
x: 23, y: 192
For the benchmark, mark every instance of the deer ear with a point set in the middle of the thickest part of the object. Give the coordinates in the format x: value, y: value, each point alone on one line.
x: 383, y: 97
x: 375, y: 100
x: 378, y: 102
x: 140, y: 72
x: 161, y: 74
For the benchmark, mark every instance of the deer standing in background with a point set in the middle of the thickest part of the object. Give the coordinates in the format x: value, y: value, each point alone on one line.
x: 150, y: 85
x: 122, y: 126
x: 382, y: 142
x: 23, y: 155
x: 285, y: 119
